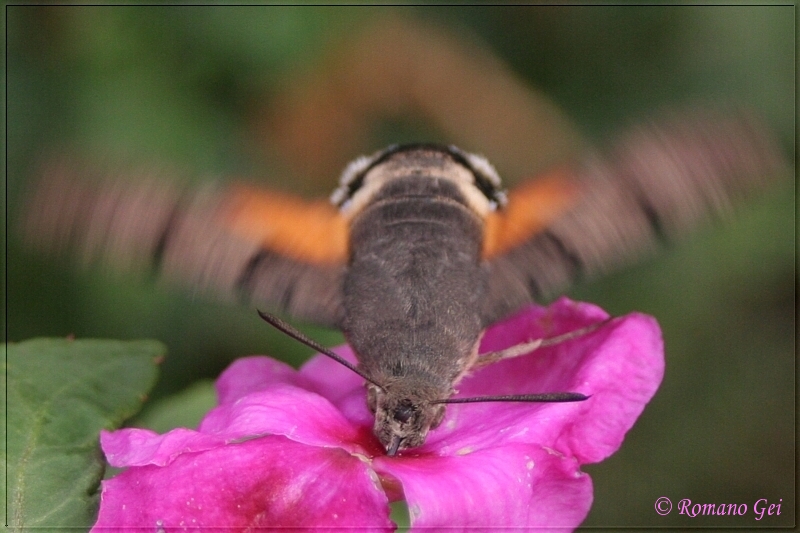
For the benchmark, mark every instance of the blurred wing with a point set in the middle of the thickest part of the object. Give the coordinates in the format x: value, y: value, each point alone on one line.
x: 654, y: 184
x: 237, y: 243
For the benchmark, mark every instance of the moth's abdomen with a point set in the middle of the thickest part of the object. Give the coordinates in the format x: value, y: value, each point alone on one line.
x: 414, y: 280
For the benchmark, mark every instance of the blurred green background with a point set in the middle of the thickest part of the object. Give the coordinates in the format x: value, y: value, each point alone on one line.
x: 177, y: 86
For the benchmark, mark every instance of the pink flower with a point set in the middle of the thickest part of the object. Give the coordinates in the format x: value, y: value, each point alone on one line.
x: 295, y: 448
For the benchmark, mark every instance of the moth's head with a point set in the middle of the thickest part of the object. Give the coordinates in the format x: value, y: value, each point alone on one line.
x: 403, y: 416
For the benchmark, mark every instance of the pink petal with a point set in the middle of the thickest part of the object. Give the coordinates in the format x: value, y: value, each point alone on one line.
x: 513, y: 486
x: 300, y: 415
x: 343, y: 387
x: 622, y: 378
x: 321, y: 375
x: 331, y: 379
x: 267, y: 483
x: 353, y: 406
x: 619, y: 365
x: 256, y: 373
x: 138, y: 447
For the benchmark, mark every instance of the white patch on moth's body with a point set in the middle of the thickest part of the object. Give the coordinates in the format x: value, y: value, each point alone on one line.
x: 353, y: 169
x: 382, y: 174
x: 483, y: 166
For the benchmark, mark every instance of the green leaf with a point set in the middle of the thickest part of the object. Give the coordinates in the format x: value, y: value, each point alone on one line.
x: 61, y: 393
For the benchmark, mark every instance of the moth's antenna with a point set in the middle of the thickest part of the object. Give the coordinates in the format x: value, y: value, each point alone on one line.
x: 545, y: 397
x: 279, y: 324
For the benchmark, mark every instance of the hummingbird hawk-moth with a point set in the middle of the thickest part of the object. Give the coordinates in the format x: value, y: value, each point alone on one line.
x: 420, y: 248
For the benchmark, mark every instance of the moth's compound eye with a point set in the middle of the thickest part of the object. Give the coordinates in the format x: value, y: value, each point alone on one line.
x: 403, y: 413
